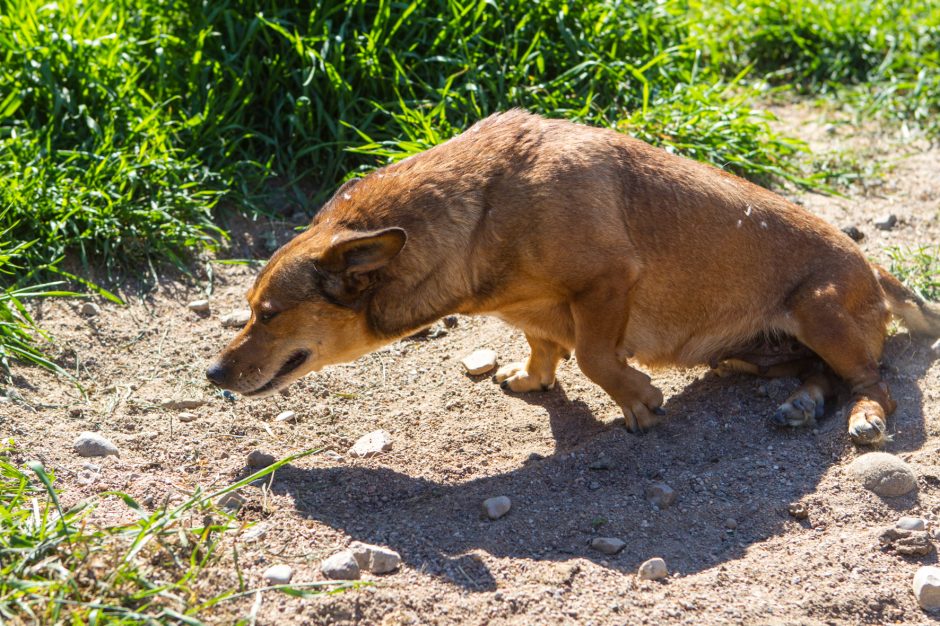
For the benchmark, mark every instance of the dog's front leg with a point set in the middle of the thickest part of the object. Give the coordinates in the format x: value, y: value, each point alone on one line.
x: 538, y: 372
x: 600, y: 320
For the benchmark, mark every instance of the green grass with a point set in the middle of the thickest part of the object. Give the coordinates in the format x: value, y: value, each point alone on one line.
x: 56, y: 567
x: 918, y: 267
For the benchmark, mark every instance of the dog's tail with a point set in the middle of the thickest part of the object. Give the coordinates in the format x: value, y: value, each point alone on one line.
x: 918, y: 315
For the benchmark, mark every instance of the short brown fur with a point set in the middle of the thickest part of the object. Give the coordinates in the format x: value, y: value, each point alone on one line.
x: 588, y: 241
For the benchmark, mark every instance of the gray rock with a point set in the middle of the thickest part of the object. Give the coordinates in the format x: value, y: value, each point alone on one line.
x: 608, y: 545
x: 90, y: 309
x: 259, y: 459
x: 341, y: 566
x: 479, y: 362
x: 886, y: 222
x: 94, y: 444
x: 231, y: 501
x: 236, y: 319
x: 906, y: 542
x: 661, y: 495
x: 854, y: 233
x: 927, y: 587
x: 184, y: 403
x: 731, y: 523
x: 654, y: 569
x: 376, y: 559
x: 369, y: 445
x: 496, y: 507
x: 278, y: 574
x: 912, y: 523
x: 199, y: 306
x: 883, y: 473
x: 286, y: 416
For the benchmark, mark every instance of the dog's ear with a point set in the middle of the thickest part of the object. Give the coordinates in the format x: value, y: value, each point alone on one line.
x: 347, y: 267
x: 358, y: 252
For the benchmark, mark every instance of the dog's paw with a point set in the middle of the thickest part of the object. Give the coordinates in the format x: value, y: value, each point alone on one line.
x: 867, y: 428
x: 645, y: 413
x: 514, y: 377
x: 800, y: 409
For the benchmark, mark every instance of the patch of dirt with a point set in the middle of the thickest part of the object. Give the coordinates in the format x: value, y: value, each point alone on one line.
x: 459, y: 440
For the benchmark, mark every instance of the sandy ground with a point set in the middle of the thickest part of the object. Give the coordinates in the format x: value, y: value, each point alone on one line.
x: 734, y: 553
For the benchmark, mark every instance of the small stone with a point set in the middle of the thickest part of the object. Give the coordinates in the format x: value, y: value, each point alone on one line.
x: 912, y: 523
x: 731, y: 523
x: 278, y: 574
x: 185, y: 403
x: 761, y: 391
x: 186, y: 417
x: 93, y: 444
x: 480, y: 362
x: 90, y: 309
x: 601, y: 463
x: 341, y: 566
x: 256, y: 532
x: 608, y: 545
x: 286, y: 416
x: 259, y: 459
x: 495, y: 508
x: 936, y: 347
x: 927, y: 587
x: 906, y: 542
x: 854, y: 233
x: 232, y: 501
x: 798, y: 510
x: 450, y: 321
x: 236, y: 319
x: 883, y: 473
x: 654, y: 569
x: 886, y: 222
x: 376, y: 559
x: 199, y: 306
x: 369, y: 445
x: 661, y: 495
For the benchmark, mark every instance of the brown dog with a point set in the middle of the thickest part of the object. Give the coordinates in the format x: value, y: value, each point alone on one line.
x: 589, y: 241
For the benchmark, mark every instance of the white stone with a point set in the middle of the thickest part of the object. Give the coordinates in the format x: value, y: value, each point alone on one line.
x: 496, y: 507
x: 936, y: 347
x: 199, y: 306
x: 278, y: 574
x: 376, y: 559
x: 883, y: 473
x: 93, y: 444
x: 912, y: 523
x: 341, y: 566
x: 608, y: 545
x: 286, y: 416
x: 927, y: 587
x: 186, y: 417
x: 374, y: 443
x: 90, y: 309
x: 236, y: 319
x: 654, y: 569
x: 480, y: 362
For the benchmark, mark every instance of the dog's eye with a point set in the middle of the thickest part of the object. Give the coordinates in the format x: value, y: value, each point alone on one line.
x: 267, y: 316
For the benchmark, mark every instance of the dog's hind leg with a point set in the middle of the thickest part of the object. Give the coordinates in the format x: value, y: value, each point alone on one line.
x: 538, y: 372
x: 808, y: 403
x: 600, y: 320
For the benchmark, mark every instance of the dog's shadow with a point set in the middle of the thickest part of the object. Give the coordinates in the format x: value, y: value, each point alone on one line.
x: 734, y: 477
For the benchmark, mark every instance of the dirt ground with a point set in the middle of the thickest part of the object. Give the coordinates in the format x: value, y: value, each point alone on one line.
x: 734, y: 553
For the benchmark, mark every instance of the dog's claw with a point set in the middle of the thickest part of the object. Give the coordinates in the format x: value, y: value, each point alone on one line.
x: 867, y: 431
x: 659, y: 411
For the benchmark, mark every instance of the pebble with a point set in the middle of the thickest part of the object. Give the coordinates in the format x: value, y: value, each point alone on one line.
x: 661, y: 495
x: 731, y: 523
x: 936, y: 347
x: 199, y: 306
x: 374, y: 443
x: 286, y: 416
x: 927, y: 587
x: 886, y: 222
x: 854, y: 233
x: 90, y: 309
x: 259, y: 459
x: 906, y: 542
x: 608, y: 545
x: 654, y: 569
x: 798, y: 510
x: 601, y: 463
x: 236, y: 319
x: 883, y: 473
x: 278, y: 574
x: 480, y: 362
x: 93, y: 444
x: 375, y: 559
x: 341, y: 566
x: 186, y: 417
x: 496, y: 507
x: 912, y: 523
x: 186, y: 404
x: 233, y: 500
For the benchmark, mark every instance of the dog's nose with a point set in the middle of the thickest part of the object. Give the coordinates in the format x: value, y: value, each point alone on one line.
x: 216, y: 374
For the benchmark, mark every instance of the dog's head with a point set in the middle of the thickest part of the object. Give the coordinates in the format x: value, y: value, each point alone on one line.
x: 307, y: 309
